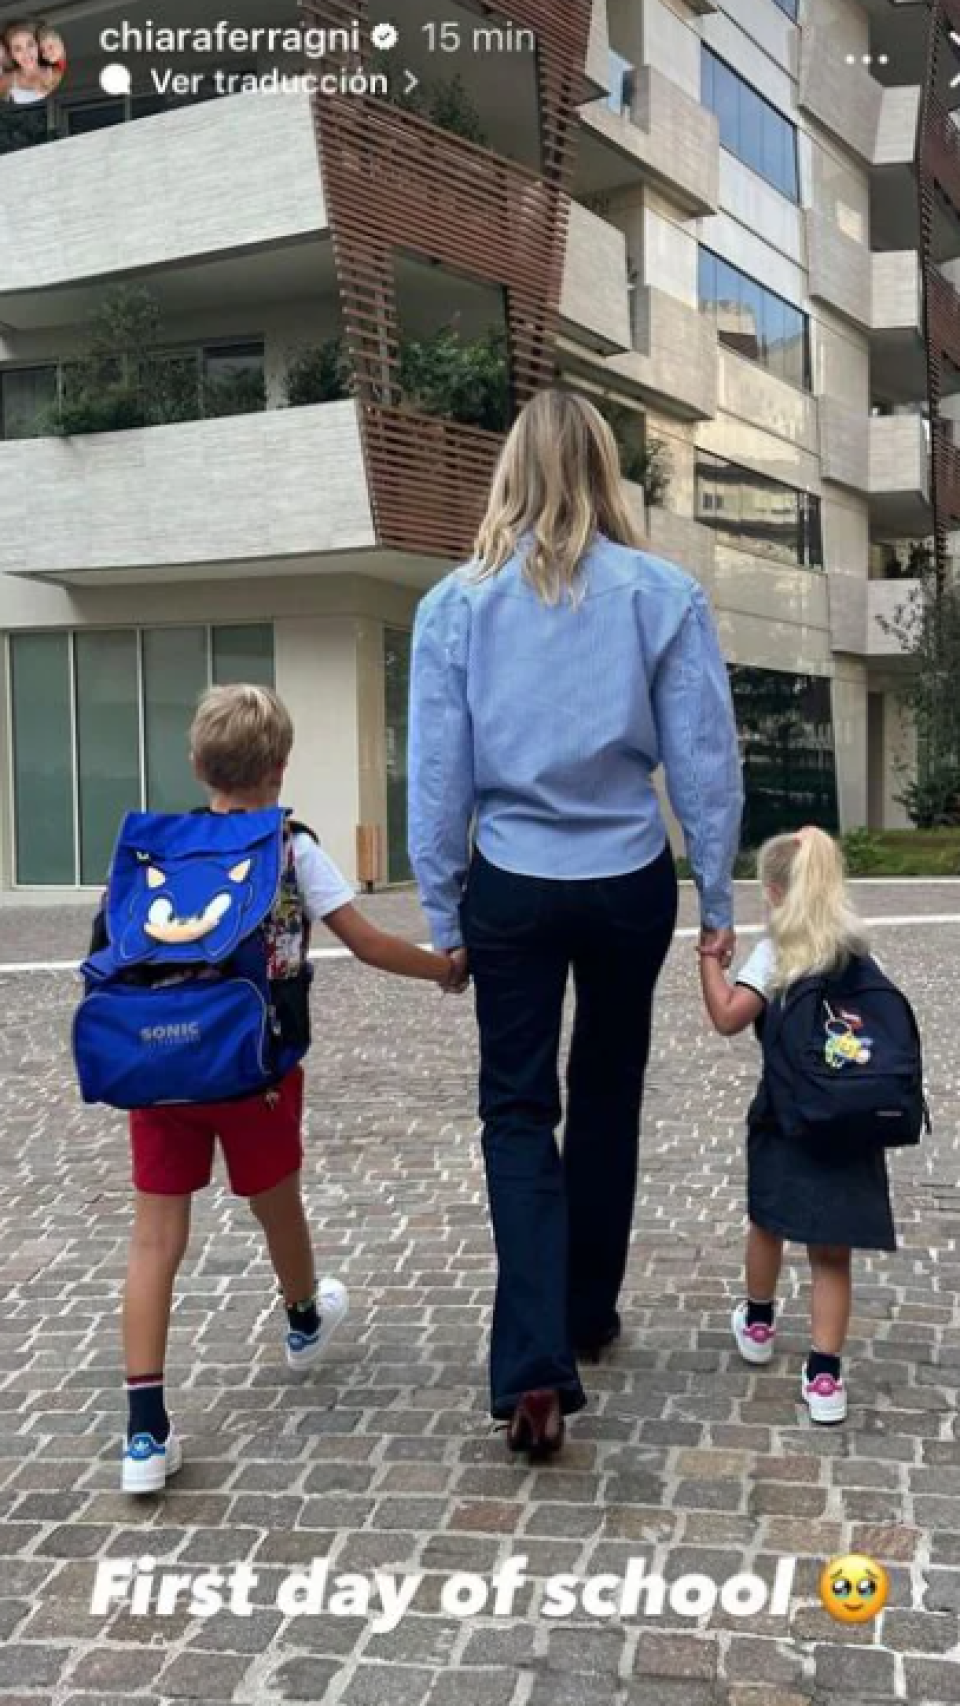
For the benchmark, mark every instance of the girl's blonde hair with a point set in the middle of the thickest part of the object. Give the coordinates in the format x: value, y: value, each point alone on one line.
x: 558, y: 480
x: 813, y: 925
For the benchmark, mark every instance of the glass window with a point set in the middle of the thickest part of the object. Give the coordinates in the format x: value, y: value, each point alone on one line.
x: 27, y: 395
x: 778, y: 159
x: 755, y: 321
x: 749, y: 126
x: 791, y: 7
x: 42, y: 757
x: 108, y: 743
x: 397, y: 688
x: 789, y: 763
x: 726, y: 105
x: 243, y: 653
x: 774, y: 333
x: 175, y: 673
x: 750, y: 142
x: 233, y: 379
x: 796, y: 364
x: 757, y: 514
x: 707, y: 263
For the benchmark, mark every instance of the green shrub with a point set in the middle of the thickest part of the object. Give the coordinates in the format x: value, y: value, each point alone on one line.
x: 863, y: 852
x: 457, y: 378
x: 321, y: 374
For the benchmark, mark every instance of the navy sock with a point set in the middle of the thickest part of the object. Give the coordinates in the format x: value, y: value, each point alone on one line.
x: 760, y: 1314
x: 146, y: 1410
x: 818, y: 1362
x: 304, y: 1317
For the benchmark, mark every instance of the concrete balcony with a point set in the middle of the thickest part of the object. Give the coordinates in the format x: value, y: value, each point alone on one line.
x: 651, y: 129
x: 843, y: 98
x: 674, y: 358
x: 899, y: 477
x: 595, y: 302
x: 284, y: 491
x: 844, y: 445
x: 898, y: 363
x: 866, y: 615
x: 839, y: 268
x: 894, y: 206
x: 682, y: 540
x: 231, y: 178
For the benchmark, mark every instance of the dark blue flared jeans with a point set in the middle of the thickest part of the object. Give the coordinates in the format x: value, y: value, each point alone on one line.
x: 561, y: 1221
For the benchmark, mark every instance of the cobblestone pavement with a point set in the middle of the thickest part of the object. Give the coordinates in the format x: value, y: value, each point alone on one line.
x: 386, y: 1460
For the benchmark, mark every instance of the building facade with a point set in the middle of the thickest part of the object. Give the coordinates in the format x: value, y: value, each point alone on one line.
x: 733, y: 224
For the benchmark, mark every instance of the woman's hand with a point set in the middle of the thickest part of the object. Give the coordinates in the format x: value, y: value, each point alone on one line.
x: 718, y: 945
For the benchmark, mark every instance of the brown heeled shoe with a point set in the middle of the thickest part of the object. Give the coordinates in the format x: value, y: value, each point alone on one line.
x: 537, y: 1425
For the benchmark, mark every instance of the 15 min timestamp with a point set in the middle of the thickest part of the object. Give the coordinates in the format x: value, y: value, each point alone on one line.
x: 484, y: 38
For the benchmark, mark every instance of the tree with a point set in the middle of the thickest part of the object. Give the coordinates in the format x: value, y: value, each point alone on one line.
x: 927, y: 627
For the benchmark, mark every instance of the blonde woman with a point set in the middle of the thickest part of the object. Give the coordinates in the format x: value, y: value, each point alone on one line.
x: 832, y: 1201
x: 552, y: 676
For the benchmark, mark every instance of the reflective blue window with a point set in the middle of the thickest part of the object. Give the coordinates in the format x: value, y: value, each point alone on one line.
x: 755, y: 321
x: 750, y: 127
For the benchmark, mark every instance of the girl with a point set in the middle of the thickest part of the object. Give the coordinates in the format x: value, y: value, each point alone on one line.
x: 831, y: 1202
x: 53, y: 53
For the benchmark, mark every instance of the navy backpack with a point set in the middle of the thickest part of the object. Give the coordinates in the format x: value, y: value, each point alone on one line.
x: 843, y: 1061
x: 199, y: 991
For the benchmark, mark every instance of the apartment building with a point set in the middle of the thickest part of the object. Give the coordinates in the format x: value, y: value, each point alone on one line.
x: 731, y: 223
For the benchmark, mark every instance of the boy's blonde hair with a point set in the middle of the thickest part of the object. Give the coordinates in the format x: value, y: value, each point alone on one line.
x: 241, y: 737
x: 813, y: 926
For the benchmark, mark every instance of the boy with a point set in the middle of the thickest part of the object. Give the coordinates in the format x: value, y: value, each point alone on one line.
x: 240, y: 744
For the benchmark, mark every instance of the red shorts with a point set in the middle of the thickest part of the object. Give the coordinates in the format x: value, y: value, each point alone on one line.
x: 260, y: 1138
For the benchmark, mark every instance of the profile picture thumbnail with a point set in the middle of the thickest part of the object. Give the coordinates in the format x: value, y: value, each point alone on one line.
x: 33, y: 62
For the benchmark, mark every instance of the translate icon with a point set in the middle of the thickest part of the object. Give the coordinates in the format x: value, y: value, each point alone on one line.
x: 116, y: 80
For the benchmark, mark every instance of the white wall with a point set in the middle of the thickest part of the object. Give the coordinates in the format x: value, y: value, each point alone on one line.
x: 205, y: 180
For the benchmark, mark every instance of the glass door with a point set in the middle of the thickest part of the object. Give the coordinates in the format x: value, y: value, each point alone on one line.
x: 396, y: 671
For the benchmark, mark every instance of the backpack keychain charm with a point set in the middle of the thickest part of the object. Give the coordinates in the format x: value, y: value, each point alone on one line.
x: 843, y: 1046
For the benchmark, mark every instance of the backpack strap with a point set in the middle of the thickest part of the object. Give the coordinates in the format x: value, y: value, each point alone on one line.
x: 296, y: 826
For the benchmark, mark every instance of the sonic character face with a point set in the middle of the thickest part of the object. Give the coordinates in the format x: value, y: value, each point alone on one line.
x: 200, y: 907
x: 854, y: 1589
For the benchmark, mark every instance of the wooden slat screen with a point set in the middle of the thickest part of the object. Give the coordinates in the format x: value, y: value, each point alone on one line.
x: 394, y: 181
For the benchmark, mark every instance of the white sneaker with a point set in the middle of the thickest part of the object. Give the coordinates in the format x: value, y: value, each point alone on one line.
x: 333, y: 1305
x: 825, y: 1398
x: 756, y: 1343
x: 148, y: 1464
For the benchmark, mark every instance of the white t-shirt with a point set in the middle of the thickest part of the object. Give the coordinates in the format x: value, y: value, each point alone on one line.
x: 757, y: 973
x: 323, y: 888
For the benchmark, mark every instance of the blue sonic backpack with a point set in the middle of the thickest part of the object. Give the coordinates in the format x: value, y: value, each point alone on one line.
x: 196, y: 989
x: 843, y: 1061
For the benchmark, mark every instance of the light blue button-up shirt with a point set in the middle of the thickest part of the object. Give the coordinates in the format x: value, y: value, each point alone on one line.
x: 543, y: 725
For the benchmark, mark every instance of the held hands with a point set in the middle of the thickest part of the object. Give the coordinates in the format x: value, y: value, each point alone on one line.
x: 457, y: 980
x: 718, y: 945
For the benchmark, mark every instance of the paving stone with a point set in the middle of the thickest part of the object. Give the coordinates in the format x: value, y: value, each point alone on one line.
x: 202, y: 1676
x: 304, y: 1678
x: 388, y: 1685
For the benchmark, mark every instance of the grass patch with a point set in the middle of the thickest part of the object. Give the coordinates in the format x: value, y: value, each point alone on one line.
x: 882, y: 853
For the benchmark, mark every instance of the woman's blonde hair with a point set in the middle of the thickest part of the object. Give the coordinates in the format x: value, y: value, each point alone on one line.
x: 813, y: 925
x: 559, y: 481
x: 241, y: 737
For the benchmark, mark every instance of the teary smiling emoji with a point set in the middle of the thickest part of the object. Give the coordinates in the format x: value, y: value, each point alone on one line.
x: 854, y: 1589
